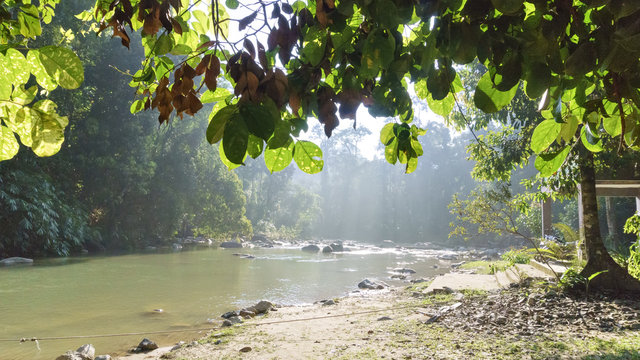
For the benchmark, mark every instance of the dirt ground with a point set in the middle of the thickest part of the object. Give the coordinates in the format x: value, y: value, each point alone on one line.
x: 407, y: 323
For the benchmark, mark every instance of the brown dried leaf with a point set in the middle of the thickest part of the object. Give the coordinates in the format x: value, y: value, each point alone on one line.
x: 152, y: 22
x: 177, y: 28
x: 294, y: 102
x: 252, y: 84
x: 211, y: 74
x: 262, y: 56
x: 193, y: 104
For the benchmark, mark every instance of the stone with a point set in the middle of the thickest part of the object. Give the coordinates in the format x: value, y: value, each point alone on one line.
x: 336, y: 247
x: 327, y: 250
x: 69, y: 355
x: 244, y: 313
x: 457, y: 265
x: 245, y: 349
x: 261, y: 307
x: 147, y: 345
x: 448, y: 257
x: 16, y: 261
x: 87, y: 352
x: 384, y: 318
x: 103, y: 357
x: 229, y: 314
x: 399, y: 276
x: 404, y: 271
x: 328, y: 302
x: 176, y: 247
x: 368, y: 284
x: 226, y: 323
x: 230, y: 245
x: 311, y: 248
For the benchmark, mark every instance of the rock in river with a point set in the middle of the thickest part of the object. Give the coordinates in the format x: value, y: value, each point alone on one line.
x: 311, y: 248
x: 368, y: 284
x: 337, y: 247
x: 230, y: 245
x: 145, y: 345
x: 84, y: 352
x: 16, y: 260
x: 327, y: 250
x: 404, y: 271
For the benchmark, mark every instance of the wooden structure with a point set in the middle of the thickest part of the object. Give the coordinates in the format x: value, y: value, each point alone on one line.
x: 612, y: 188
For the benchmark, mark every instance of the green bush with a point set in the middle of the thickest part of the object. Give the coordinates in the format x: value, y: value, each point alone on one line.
x: 521, y: 256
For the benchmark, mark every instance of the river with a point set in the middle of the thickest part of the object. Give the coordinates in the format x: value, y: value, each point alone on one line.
x: 117, y: 294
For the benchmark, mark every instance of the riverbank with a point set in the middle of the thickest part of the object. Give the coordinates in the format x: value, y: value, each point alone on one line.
x: 532, y: 322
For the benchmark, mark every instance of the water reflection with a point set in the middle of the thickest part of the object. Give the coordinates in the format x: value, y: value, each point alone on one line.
x: 115, y: 294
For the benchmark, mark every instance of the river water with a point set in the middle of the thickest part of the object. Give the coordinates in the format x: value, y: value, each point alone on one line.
x: 117, y: 294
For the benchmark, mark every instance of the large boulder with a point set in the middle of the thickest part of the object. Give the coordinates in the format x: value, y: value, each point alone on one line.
x: 261, y: 307
x: 15, y: 261
x: 145, y: 345
x: 311, y: 248
x: 230, y: 245
x: 327, y: 250
x: 84, y: 352
x: 337, y: 247
x: 368, y: 284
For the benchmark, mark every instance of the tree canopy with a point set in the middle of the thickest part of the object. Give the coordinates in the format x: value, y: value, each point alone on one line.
x: 323, y: 59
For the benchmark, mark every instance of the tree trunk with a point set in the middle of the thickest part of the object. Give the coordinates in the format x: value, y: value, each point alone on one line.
x: 598, y: 259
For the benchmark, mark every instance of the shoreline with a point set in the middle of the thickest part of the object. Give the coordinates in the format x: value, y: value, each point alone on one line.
x: 409, y: 323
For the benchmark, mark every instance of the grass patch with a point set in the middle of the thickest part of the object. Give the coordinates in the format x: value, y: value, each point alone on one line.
x: 485, y: 267
x: 418, y: 287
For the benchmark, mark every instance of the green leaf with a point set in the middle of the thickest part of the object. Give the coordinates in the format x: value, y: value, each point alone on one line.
x: 612, y: 125
x: 259, y: 119
x: 29, y: 21
x: 314, y: 46
x: 214, y: 96
x: 308, y: 156
x: 377, y: 54
x: 582, y: 60
x: 391, y: 151
x: 224, y: 159
x: 255, y: 146
x: 590, y: 142
x: 8, y: 144
x: 232, y: 4
x: 568, y: 129
x: 164, y: 44
x: 38, y: 70
x: 15, y: 64
x: 441, y: 107
x: 280, y: 135
x: 24, y: 96
x: 215, y: 130
x: 386, y: 14
x: 508, y: 7
x: 235, y: 140
x: 47, y: 132
x: 544, y: 135
x: 548, y: 163
x: 279, y: 158
x: 386, y: 134
x: 489, y: 99
x: 62, y: 65
x: 538, y: 80
x: 22, y: 124
x: 412, y: 165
